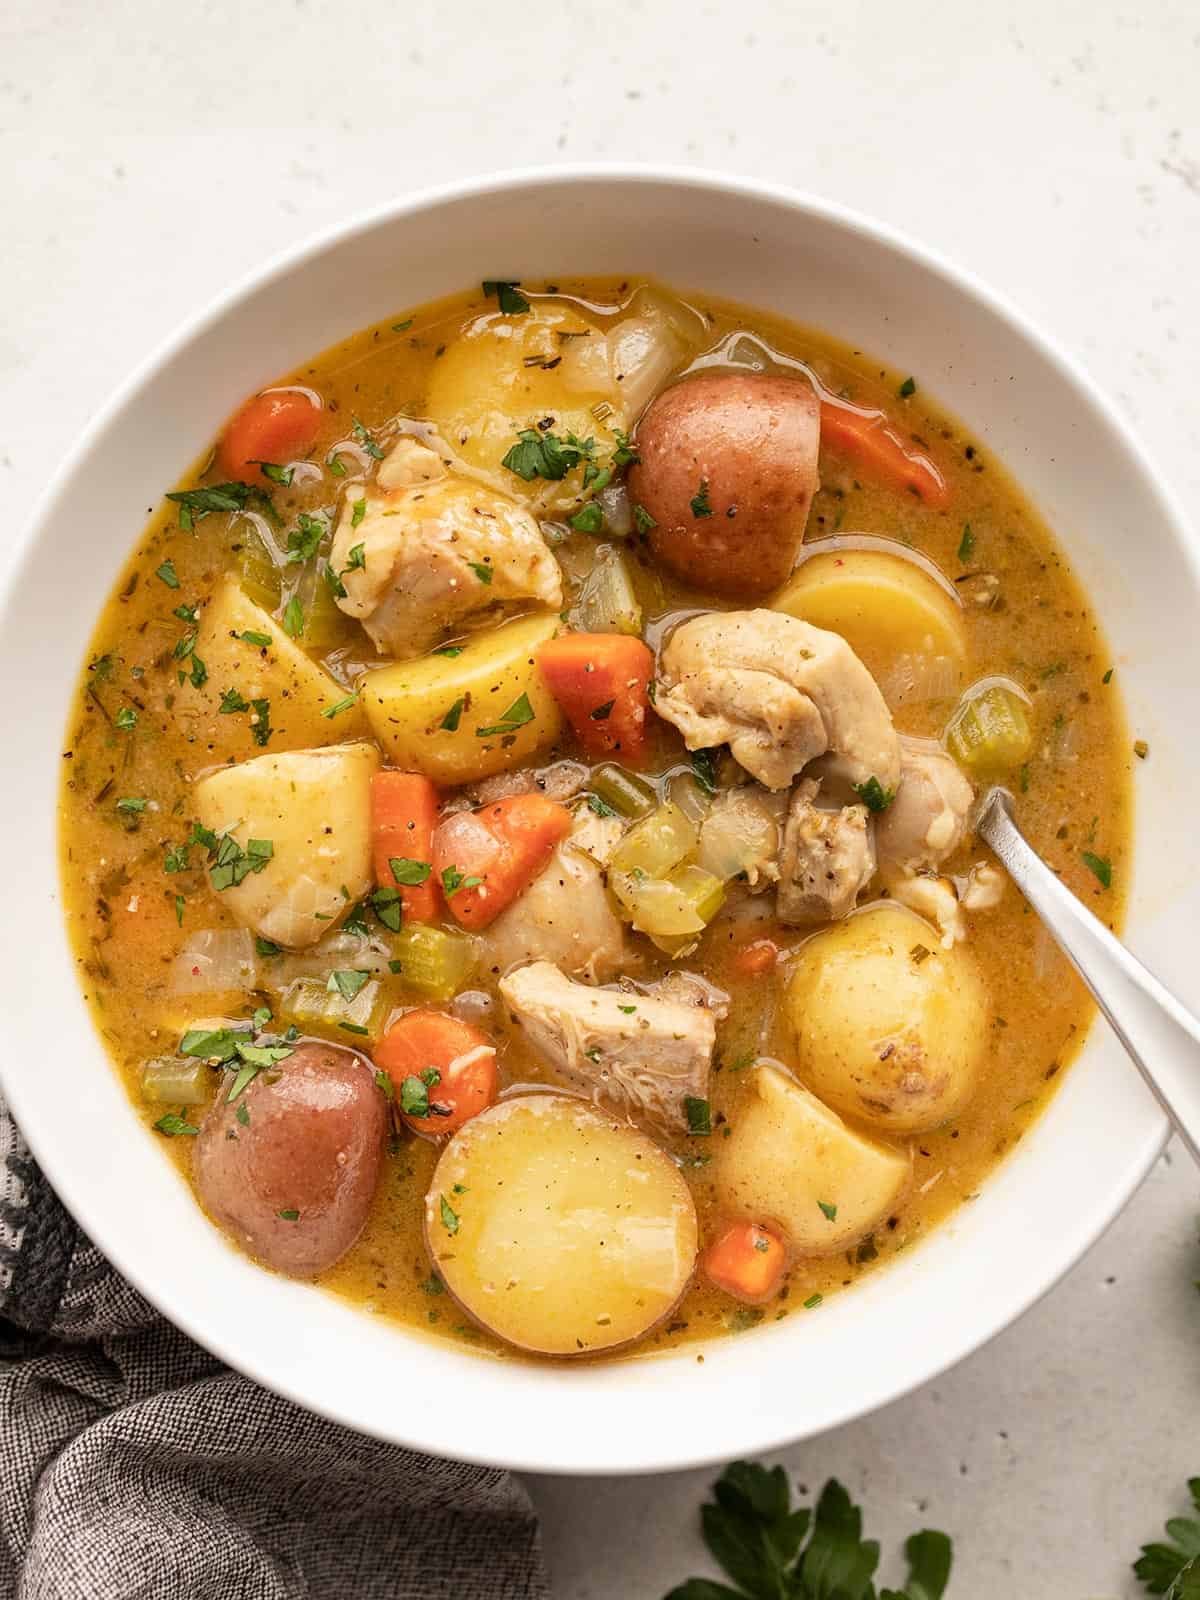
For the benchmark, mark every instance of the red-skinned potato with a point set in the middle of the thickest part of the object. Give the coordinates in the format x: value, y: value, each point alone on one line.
x: 289, y: 1168
x: 728, y: 471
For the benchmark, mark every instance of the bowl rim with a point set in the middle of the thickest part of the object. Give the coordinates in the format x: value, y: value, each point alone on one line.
x: 1057, y: 1257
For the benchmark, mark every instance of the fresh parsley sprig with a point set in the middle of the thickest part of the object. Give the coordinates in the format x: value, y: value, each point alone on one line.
x: 774, y: 1552
x: 1174, y: 1569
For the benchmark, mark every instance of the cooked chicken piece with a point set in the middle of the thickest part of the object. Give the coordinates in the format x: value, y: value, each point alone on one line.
x: 596, y: 836
x: 643, y: 1055
x: 560, y: 781
x: 927, y: 820
x: 982, y: 888
x: 944, y: 900
x: 434, y: 551
x: 828, y: 857
x: 780, y: 693
x: 564, y: 917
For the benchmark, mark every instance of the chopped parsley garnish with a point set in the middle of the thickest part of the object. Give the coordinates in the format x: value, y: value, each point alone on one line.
x: 387, y: 906
x: 507, y: 291
x: 336, y: 709
x: 168, y: 574
x: 450, y: 650
x: 907, y: 389
x: 966, y: 545
x: 452, y: 718
x: 335, y: 464
x: 701, y: 505
x: 1099, y: 866
x: 265, y: 947
x: 545, y: 455
x: 276, y: 473
x: 482, y: 571
x: 232, y: 701
x: 260, y: 721
x: 126, y: 718
x: 365, y: 438
x: 198, y: 673
x: 828, y: 1211
x: 402, y: 327
x: 357, y: 512
x: 642, y: 520
x: 1107, y: 678
x: 813, y: 1301
x: 293, y: 618
x: 261, y: 641
x: 414, y: 1097
x: 354, y: 1027
x: 289, y: 1214
x: 243, y: 1114
x: 589, y: 518
x: 1174, y: 1569
x: 172, y: 1124
x: 628, y: 1010
x: 131, y: 805
x: 196, y: 503
x: 348, y: 982
x: 180, y: 904
x: 231, y: 865
x: 873, y: 795
x: 602, y: 713
x: 408, y: 872
x: 517, y: 715
x: 305, y: 537
x: 454, y: 881
x: 186, y: 613
x: 383, y: 1082
x: 333, y: 582
x: 449, y: 1216
x: 625, y: 455
x: 704, y: 766
x: 699, y: 1116
x: 261, y: 1017
x: 600, y: 807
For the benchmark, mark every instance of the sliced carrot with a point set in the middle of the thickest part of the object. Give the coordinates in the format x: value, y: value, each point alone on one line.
x: 601, y: 680
x: 440, y: 1064
x: 484, y: 859
x: 755, y: 958
x: 868, y: 438
x: 404, y: 809
x: 276, y: 427
x: 746, y: 1260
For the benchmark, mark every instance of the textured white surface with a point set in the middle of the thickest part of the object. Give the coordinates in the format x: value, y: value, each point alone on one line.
x: 149, y: 155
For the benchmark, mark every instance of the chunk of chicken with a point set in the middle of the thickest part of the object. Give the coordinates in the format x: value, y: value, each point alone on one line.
x: 780, y: 693
x: 927, y: 820
x: 944, y: 900
x: 828, y: 857
x: 643, y: 1055
x: 434, y: 551
x: 564, y: 917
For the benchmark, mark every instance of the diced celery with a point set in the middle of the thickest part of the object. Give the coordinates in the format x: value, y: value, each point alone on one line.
x: 257, y: 571
x: 433, y: 962
x: 625, y: 792
x: 676, y: 907
x: 657, y: 843
x: 326, y: 625
x: 310, y: 1005
x: 687, y: 794
x: 608, y: 602
x: 176, y: 1081
x: 704, y: 892
x: 990, y: 734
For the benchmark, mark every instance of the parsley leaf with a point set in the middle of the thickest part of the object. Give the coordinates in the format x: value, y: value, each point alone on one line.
x: 196, y: 503
x: 293, y: 618
x: 348, y: 982
x: 126, y: 719
x: 414, y: 1098
x: 1100, y: 866
x: 512, y: 302
x: 482, y: 571
x: 261, y: 641
x: 1173, y: 1569
x: 453, y: 880
x: 699, y: 1116
x: 168, y: 574
x: 517, y: 715
x: 338, y: 706
x: 773, y: 1551
x: 704, y: 765
x: 132, y: 804
x: 449, y: 1216
x: 545, y: 455
x: 600, y: 807
x: 701, y: 505
x: 305, y: 537
x: 409, y: 872
x: 589, y: 518
x: 387, y: 906
x: 357, y: 513
x: 642, y: 519
x: 172, y: 1124
x: 907, y: 389
x: 366, y: 439
x: 966, y: 545
x: 232, y: 701
x: 828, y: 1210
x: 452, y: 718
x: 873, y: 795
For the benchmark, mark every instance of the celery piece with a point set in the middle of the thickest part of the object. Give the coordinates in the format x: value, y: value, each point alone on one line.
x: 433, y: 962
x: 326, y: 625
x: 687, y: 794
x: 989, y: 733
x: 679, y: 906
x: 608, y: 602
x: 657, y: 843
x: 311, y: 1006
x: 258, y: 573
x: 174, y: 1081
x: 625, y: 792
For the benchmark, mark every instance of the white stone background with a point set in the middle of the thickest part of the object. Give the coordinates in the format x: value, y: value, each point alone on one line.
x: 151, y: 153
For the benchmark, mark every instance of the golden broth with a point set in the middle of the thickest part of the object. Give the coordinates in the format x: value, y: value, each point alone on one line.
x: 127, y: 924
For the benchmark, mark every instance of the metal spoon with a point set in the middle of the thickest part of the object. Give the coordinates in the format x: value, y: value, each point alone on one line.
x: 1161, y: 1036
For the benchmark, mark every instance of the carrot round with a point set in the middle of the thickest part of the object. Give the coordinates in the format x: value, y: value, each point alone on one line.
x: 278, y: 426
x: 404, y: 809
x: 601, y: 681
x: 869, y: 440
x: 440, y: 1064
x: 746, y: 1260
x: 484, y: 859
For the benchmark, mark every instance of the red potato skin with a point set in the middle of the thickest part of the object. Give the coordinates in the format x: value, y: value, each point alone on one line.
x: 753, y: 440
x: 313, y: 1144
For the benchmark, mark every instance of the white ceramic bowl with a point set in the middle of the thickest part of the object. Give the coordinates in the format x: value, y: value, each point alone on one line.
x: 1049, y: 1200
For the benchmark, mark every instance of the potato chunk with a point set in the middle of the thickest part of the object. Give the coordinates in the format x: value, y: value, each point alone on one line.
x: 460, y: 717
x: 314, y: 808
x: 791, y: 1161
x: 296, y: 688
x: 890, y: 1027
x: 905, y: 628
x: 561, y: 1231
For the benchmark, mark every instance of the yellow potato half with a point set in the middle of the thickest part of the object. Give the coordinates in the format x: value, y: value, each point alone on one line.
x: 296, y: 688
x: 789, y: 1160
x: 901, y: 623
x: 432, y: 715
x: 561, y: 1231
x: 890, y: 1028
x: 313, y: 809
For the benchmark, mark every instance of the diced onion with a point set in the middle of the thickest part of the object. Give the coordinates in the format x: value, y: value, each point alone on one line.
x: 215, y: 961
x: 917, y: 679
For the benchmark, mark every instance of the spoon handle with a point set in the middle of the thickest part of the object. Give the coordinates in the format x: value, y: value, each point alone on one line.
x: 1161, y: 1036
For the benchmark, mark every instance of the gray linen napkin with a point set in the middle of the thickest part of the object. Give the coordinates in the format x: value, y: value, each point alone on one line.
x: 134, y: 1464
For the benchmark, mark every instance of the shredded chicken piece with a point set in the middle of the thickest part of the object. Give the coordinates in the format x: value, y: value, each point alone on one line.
x: 435, y: 550
x: 780, y: 693
x: 945, y: 900
x: 982, y: 889
x: 927, y: 820
x: 642, y: 1054
x: 828, y: 857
